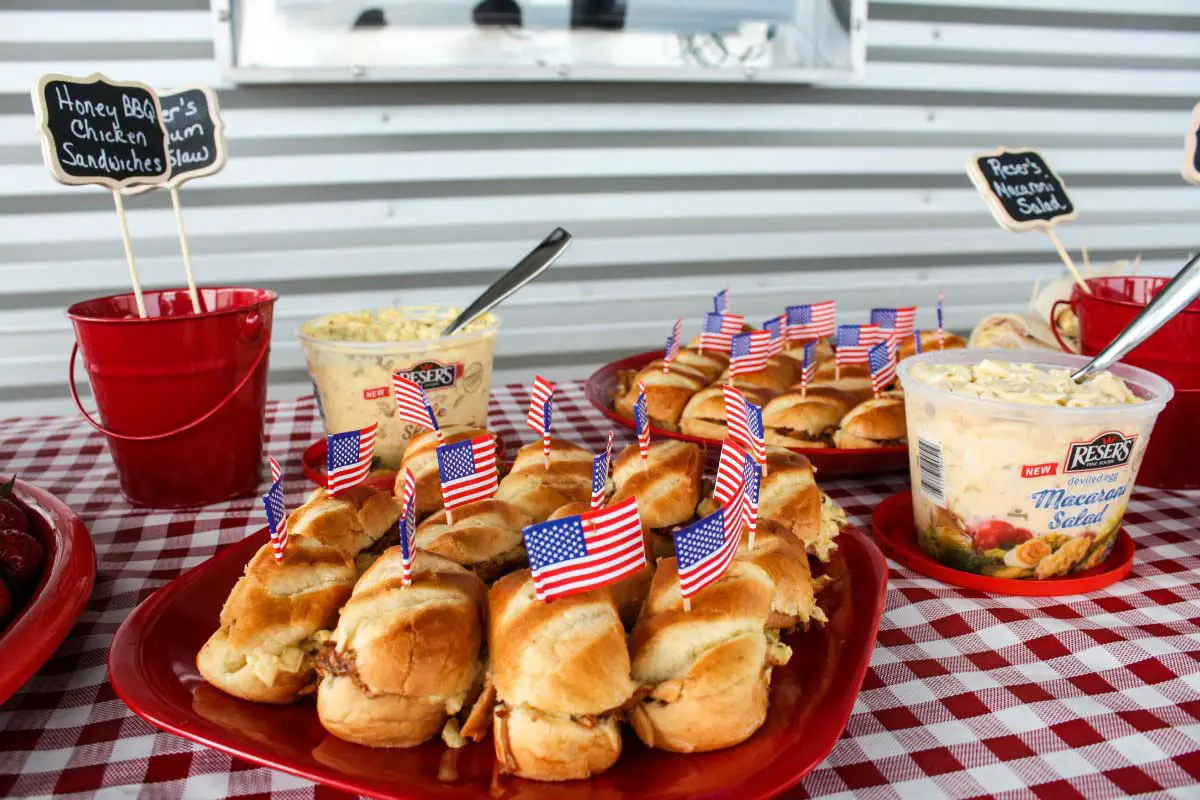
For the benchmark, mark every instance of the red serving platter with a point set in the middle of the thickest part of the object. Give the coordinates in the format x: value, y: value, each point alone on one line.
x: 829, y: 461
x: 152, y: 668
x: 896, y: 533
x: 68, y: 572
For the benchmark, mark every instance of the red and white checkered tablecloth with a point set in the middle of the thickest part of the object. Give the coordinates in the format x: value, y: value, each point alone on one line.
x: 967, y: 694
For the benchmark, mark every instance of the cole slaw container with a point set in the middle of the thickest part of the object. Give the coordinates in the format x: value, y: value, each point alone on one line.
x: 1015, y: 490
x: 353, y: 379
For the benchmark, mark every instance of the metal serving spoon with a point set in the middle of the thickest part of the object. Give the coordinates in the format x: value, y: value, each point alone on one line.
x: 538, y: 261
x: 1174, y: 297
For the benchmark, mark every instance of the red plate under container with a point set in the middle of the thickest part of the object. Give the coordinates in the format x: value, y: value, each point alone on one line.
x: 152, y: 665
x: 896, y: 532
x: 829, y: 461
x: 68, y: 572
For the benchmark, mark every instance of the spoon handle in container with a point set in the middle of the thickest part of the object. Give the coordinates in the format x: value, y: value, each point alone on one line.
x: 532, y: 265
x: 1177, y: 295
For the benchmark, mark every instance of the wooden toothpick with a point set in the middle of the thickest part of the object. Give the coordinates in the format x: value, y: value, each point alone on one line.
x: 687, y: 604
x: 183, y: 248
x: 1087, y: 261
x: 133, y: 276
x: 1066, y: 259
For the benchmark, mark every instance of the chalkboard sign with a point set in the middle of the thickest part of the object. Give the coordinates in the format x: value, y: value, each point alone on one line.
x: 195, y: 132
x: 99, y: 131
x: 1021, y: 189
x: 1191, y: 149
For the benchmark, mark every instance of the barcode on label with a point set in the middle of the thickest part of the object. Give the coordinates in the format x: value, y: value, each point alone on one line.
x: 929, y: 461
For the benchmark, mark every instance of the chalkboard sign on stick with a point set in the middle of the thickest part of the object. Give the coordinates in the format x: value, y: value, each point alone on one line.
x: 1191, y: 149
x: 1024, y: 194
x: 196, y: 135
x: 103, y: 132
x: 98, y: 131
x: 1021, y: 189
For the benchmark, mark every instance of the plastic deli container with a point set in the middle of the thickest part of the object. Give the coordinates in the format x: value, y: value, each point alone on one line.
x: 352, y: 356
x: 1015, y: 490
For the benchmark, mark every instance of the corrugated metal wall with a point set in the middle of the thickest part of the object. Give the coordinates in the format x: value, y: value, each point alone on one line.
x: 351, y: 196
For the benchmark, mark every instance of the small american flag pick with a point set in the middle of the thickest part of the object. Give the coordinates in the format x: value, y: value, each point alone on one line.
x: 642, y: 419
x: 730, y: 472
x: 412, y: 405
x: 918, y: 348
x: 276, y: 470
x: 749, y: 352
x: 721, y: 302
x: 467, y: 470
x: 672, y: 348
x: 584, y: 552
x: 408, y: 526
x: 348, y: 460
x: 777, y: 328
x: 277, y: 519
x: 853, y: 342
x: 541, y: 402
x: 600, y: 473
x: 752, y: 479
x: 808, y: 366
x: 941, y: 321
x: 898, y: 320
x: 883, y: 366
x: 719, y: 330
x: 811, y: 321
x: 745, y: 424
x: 705, y: 549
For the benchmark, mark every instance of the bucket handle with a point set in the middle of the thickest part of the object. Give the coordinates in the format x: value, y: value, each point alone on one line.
x: 1054, y: 324
x: 157, y: 436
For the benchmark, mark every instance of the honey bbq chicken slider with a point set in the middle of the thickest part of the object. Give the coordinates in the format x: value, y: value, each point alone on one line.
x: 704, y: 414
x: 805, y: 419
x: 403, y: 659
x: 667, y: 392
x: 874, y: 423
x: 537, y: 491
x: 485, y: 537
x: 421, y: 457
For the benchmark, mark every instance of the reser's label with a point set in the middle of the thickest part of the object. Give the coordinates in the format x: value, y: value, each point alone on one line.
x: 1110, y: 449
x: 433, y: 375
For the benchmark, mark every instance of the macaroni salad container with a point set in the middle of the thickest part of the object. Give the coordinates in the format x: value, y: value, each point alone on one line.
x: 1020, y: 487
x: 353, y: 355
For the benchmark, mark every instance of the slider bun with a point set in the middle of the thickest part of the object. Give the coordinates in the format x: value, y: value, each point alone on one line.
x: 666, y: 392
x: 350, y: 522
x: 795, y: 349
x: 403, y: 657
x: 854, y: 379
x: 704, y: 415
x: 873, y: 423
x: 421, y: 457
x: 485, y: 537
x: 792, y: 420
x: 260, y: 652
x: 567, y: 656
x: 929, y: 343
x: 629, y: 592
x: 781, y: 555
x: 709, y: 364
x: 708, y: 669
x: 537, y: 491
x: 667, y: 487
x: 552, y: 747
x: 789, y: 497
x: 779, y: 373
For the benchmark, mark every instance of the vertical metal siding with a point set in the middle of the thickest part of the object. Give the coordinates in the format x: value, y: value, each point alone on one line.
x: 351, y: 196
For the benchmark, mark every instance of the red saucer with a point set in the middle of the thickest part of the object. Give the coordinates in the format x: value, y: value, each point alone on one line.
x: 896, y: 534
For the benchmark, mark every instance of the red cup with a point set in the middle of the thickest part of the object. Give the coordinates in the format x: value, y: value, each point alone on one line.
x: 1171, y: 352
x: 182, y: 395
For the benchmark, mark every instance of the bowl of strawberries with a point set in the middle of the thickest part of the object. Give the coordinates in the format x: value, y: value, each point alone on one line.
x: 47, y: 568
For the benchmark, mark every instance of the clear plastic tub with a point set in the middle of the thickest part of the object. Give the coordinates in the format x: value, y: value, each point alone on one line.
x: 1016, y: 490
x: 352, y: 376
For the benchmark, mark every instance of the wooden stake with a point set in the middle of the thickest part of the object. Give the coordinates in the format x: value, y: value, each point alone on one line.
x: 750, y: 543
x: 183, y: 248
x: 449, y: 516
x: 1137, y: 264
x: 133, y: 276
x: 1033, y: 297
x: 687, y: 604
x: 1066, y: 259
x: 1087, y: 261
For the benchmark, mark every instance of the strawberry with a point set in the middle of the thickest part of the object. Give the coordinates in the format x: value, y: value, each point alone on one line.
x: 11, y: 514
x: 20, y: 558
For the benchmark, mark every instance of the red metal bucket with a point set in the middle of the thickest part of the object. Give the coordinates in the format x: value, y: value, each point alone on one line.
x: 182, y: 396
x: 1172, y: 352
